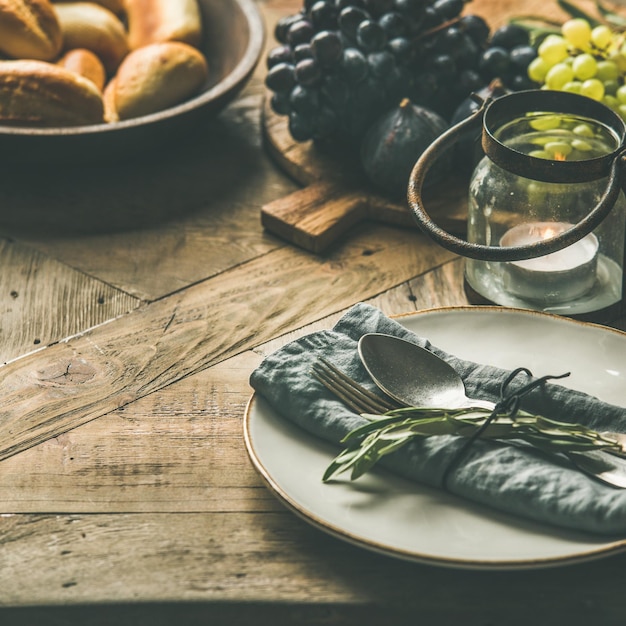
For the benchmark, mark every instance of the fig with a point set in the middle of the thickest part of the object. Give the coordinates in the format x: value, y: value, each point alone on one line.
x: 467, y: 150
x: 393, y: 144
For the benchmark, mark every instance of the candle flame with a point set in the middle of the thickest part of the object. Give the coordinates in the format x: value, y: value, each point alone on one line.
x: 559, y: 156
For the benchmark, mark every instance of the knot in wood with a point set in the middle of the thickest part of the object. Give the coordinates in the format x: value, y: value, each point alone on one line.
x: 66, y: 372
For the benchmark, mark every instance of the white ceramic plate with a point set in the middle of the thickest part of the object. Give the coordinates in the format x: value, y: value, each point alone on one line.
x: 401, y: 518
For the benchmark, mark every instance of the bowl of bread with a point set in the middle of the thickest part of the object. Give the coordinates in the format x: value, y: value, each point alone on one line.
x: 91, y: 80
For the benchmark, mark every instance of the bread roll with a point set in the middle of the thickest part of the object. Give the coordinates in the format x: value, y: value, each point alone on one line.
x: 85, y: 63
x: 43, y: 94
x: 29, y: 29
x: 110, y: 112
x: 91, y: 26
x: 157, y: 77
x: 153, y: 21
x: 115, y: 6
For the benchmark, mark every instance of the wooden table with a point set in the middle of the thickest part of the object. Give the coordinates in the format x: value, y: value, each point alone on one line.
x: 135, y: 301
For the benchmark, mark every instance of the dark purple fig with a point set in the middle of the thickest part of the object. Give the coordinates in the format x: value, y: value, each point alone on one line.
x: 467, y: 150
x: 393, y: 144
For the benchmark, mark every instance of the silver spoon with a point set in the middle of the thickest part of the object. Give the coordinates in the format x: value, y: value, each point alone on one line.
x: 414, y: 376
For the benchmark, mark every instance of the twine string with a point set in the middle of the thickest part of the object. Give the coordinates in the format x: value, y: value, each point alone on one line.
x: 508, y: 405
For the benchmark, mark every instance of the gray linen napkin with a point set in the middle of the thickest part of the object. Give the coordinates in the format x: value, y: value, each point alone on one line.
x: 516, y: 480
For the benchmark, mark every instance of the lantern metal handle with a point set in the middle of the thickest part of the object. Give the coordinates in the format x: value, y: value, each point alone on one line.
x: 483, y: 252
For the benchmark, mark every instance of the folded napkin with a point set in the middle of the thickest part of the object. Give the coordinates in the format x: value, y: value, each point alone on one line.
x: 517, y: 480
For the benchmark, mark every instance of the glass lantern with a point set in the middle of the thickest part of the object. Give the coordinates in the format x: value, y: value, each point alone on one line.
x: 546, y: 212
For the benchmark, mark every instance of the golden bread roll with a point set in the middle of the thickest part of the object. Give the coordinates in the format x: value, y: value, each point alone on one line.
x: 153, y: 21
x: 108, y: 96
x: 115, y: 6
x: 29, y: 29
x: 91, y: 26
x: 85, y: 63
x: 37, y: 93
x: 157, y: 77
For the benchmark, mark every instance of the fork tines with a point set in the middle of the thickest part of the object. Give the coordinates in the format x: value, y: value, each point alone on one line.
x: 353, y: 395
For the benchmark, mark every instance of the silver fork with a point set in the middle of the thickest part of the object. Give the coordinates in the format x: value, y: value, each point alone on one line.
x: 351, y: 393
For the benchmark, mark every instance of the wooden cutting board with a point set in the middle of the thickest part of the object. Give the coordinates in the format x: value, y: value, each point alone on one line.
x: 336, y: 196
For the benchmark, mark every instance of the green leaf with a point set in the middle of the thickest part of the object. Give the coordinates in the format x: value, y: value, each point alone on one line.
x: 614, y: 19
x: 575, y: 11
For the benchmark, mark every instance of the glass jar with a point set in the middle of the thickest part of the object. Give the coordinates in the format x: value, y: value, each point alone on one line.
x: 546, y: 213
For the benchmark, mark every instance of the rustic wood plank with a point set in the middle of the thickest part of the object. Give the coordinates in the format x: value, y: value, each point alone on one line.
x: 180, y: 447
x: 69, y: 384
x: 43, y: 301
x: 242, y: 560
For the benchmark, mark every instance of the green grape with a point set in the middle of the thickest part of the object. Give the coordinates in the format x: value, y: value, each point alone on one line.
x: 538, y: 69
x: 583, y: 130
x: 545, y: 122
x: 601, y: 37
x: 621, y: 94
x: 592, y: 88
x: 553, y: 49
x: 622, y: 111
x: 577, y: 32
x: 611, y: 87
x: 581, y: 145
x: 573, y: 86
x: 558, y: 75
x: 585, y: 66
x: 607, y: 70
x: 611, y: 101
x: 540, y: 154
x: 558, y: 147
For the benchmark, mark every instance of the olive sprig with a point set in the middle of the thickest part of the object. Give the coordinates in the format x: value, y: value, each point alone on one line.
x: 384, y: 434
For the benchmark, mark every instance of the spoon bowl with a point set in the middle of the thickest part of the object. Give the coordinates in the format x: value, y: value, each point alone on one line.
x: 412, y: 375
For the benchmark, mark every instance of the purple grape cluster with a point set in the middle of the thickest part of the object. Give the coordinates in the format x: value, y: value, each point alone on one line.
x: 340, y: 64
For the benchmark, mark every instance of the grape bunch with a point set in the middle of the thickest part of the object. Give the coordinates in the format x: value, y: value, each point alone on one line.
x: 340, y: 64
x: 508, y: 56
x: 586, y: 60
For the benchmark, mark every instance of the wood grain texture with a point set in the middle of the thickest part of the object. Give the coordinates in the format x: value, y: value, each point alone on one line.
x: 43, y: 301
x: 71, y: 383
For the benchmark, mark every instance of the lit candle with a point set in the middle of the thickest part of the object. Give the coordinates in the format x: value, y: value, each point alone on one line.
x: 557, y: 277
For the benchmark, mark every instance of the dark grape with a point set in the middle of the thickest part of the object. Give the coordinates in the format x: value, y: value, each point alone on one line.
x: 327, y: 47
x: 370, y: 36
x: 354, y: 65
x: 302, y: 51
x: 413, y: 10
x: 444, y: 66
x: 350, y: 19
x: 520, y: 82
x: 283, y: 25
x: 431, y: 18
x: 448, y: 9
x: 469, y: 81
x: 301, y: 127
x: 280, y: 103
x: 466, y: 53
x: 402, y: 49
x: 281, y: 77
x: 449, y: 40
x: 325, y: 123
x: 476, y: 27
x: 509, y: 36
x: 279, y: 54
x: 381, y: 63
x: 378, y: 7
x: 335, y: 91
x: 307, y: 71
x: 324, y: 15
x: 304, y: 100
x: 393, y: 24
x: 300, y: 32
x: 521, y: 56
x: 343, y: 4
x: 494, y: 62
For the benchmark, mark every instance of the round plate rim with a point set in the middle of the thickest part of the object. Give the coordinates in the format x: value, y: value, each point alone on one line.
x: 610, y: 548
